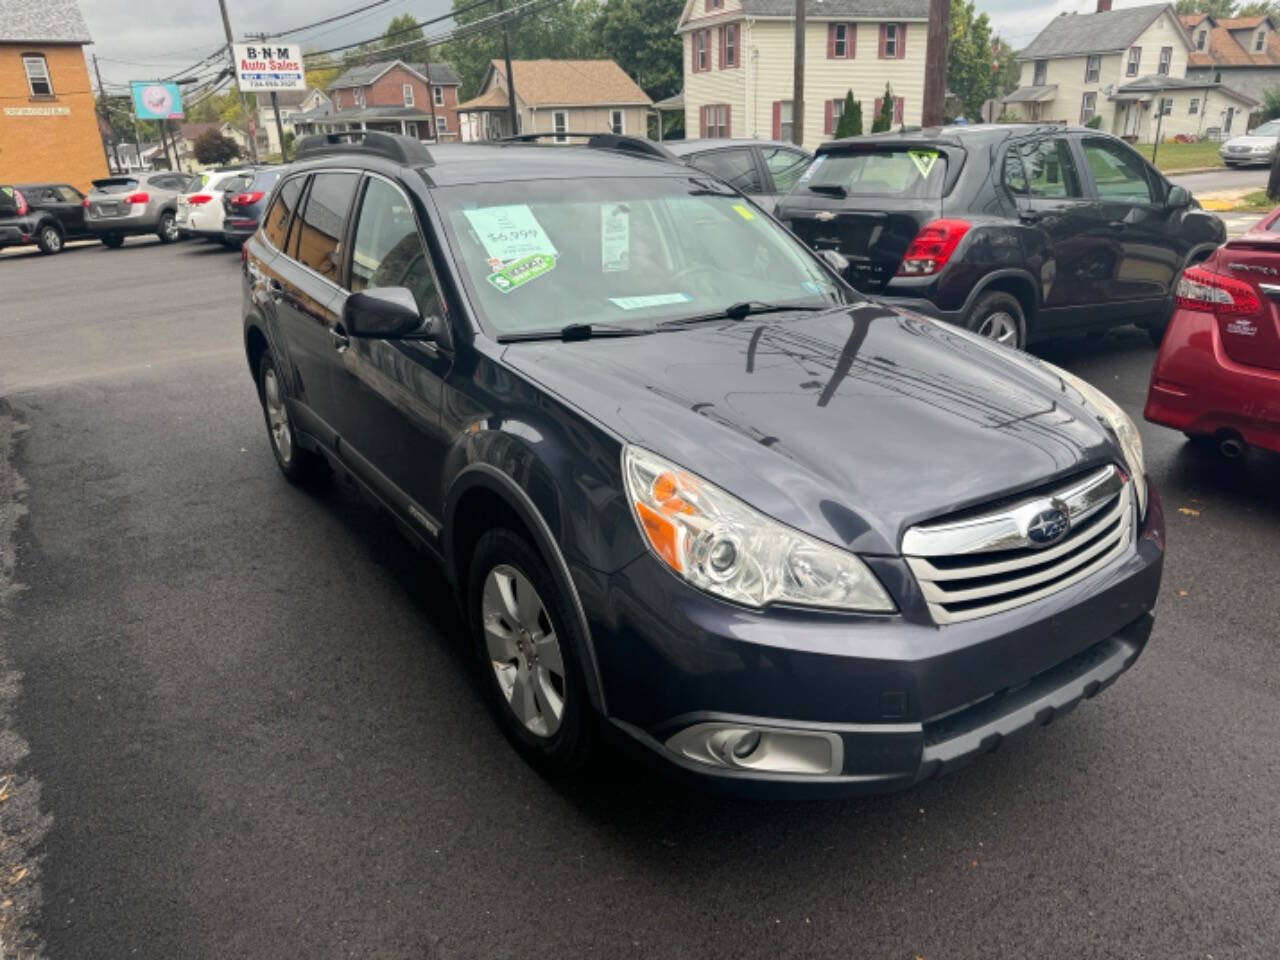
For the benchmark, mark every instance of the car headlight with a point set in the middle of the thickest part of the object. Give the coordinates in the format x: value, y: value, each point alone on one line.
x: 720, y: 545
x: 1126, y: 432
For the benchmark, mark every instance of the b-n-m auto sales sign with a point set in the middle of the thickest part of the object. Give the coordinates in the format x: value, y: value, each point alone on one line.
x: 263, y: 67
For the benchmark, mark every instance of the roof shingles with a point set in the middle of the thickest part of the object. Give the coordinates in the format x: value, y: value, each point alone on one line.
x: 42, y: 21
x: 1077, y: 35
x: 566, y: 83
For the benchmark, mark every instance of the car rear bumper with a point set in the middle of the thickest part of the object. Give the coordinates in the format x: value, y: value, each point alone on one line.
x: 12, y: 235
x: 141, y: 221
x: 896, y: 699
x: 1197, y: 388
x: 238, y: 228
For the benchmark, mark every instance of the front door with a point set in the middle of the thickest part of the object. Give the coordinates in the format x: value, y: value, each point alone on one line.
x: 1226, y: 124
x: 388, y: 392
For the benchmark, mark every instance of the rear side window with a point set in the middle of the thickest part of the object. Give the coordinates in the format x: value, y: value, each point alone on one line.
x: 785, y: 166
x: 323, y: 222
x: 1041, y: 169
x: 70, y: 195
x: 735, y: 167
x: 908, y: 173
x: 388, y: 252
x: 276, y: 223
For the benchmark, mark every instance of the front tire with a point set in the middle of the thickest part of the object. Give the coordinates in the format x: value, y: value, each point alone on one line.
x: 297, y: 465
x: 167, y: 228
x: 50, y: 239
x: 526, y: 644
x: 998, y: 316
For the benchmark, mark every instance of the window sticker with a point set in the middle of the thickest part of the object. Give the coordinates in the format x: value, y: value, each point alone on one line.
x: 615, y: 237
x: 812, y: 168
x: 743, y: 212
x: 652, y: 300
x: 522, y: 271
x: 923, y: 159
x: 510, y: 233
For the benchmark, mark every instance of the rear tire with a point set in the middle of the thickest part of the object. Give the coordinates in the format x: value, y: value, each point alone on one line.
x: 50, y: 239
x: 113, y: 241
x: 297, y: 465
x: 167, y: 228
x: 998, y: 316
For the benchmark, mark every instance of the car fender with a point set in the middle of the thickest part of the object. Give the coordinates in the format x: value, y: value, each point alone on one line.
x: 497, y: 481
x: 1009, y: 272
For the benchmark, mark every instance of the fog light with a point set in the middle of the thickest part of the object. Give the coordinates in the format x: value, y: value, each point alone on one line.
x: 762, y: 749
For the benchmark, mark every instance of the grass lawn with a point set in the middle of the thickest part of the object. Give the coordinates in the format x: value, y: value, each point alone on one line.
x: 1183, y: 156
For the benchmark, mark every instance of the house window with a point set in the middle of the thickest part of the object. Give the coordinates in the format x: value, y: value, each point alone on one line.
x: 1041, y: 71
x: 899, y: 107
x: 408, y: 94
x: 1166, y: 106
x: 437, y: 95
x: 892, y: 41
x: 728, y: 46
x: 783, y: 126
x: 442, y: 125
x: 715, y: 4
x: 1166, y: 55
x: 411, y: 129
x: 1092, y: 68
x: 701, y: 57
x: 615, y: 122
x: 715, y: 121
x: 1195, y: 106
x: 841, y: 38
x: 1135, y: 58
x: 359, y: 96
x: 1200, y: 38
x: 1259, y: 41
x: 560, y: 123
x: 1088, y: 107
x: 37, y: 68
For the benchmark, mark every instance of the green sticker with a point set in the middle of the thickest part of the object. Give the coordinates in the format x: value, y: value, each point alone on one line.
x: 522, y: 271
x: 923, y: 159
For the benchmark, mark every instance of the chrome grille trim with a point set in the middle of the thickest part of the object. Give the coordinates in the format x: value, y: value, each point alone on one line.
x: 960, y: 590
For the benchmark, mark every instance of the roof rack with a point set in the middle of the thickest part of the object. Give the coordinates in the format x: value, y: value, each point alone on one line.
x: 621, y: 143
x: 404, y: 150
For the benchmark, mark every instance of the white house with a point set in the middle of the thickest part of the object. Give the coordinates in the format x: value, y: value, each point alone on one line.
x: 292, y: 102
x: 739, y: 63
x: 1127, y: 67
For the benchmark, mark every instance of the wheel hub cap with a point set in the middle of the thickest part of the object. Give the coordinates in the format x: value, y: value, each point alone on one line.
x: 1000, y: 327
x: 277, y: 416
x: 523, y: 650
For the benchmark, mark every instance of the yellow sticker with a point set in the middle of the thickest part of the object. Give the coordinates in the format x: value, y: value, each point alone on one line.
x: 923, y: 159
x: 743, y: 212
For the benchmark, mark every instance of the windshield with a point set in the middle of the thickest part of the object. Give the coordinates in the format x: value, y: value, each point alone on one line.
x: 1269, y: 129
x: 539, y: 255
x: 915, y: 172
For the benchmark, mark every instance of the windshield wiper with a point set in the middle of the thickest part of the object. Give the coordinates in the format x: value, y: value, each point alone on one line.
x: 576, y: 331
x: 737, y: 311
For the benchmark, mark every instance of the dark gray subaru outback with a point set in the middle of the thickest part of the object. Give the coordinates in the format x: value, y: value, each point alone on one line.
x: 684, y: 479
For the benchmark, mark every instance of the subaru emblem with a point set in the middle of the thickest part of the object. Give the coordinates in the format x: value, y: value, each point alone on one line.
x: 1048, y: 526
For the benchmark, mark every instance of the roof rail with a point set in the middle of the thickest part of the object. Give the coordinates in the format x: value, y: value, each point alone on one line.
x: 393, y: 146
x: 621, y: 143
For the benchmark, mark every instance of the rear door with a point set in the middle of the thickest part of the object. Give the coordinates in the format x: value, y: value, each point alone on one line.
x: 1253, y: 338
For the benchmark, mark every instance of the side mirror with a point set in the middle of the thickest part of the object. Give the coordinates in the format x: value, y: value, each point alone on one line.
x: 388, y: 313
x: 1179, y: 197
x: 835, y: 260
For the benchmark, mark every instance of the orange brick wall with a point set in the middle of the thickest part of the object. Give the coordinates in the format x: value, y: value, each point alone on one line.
x: 67, y: 149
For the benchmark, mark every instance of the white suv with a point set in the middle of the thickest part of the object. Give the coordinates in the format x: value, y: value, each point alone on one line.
x: 200, y: 212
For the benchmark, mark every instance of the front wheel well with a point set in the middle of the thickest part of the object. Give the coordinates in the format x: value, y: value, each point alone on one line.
x: 480, y: 510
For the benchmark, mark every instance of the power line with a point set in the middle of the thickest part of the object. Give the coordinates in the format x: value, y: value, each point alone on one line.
x: 333, y: 19
x: 417, y: 26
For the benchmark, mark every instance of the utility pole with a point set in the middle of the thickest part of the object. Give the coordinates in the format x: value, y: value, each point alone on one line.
x: 1155, y: 147
x: 511, y: 81
x: 431, y: 97
x: 244, y: 104
x: 935, y: 62
x: 100, y: 108
x: 797, y: 90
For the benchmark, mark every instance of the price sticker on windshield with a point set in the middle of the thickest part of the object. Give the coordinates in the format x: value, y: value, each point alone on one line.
x: 615, y: 237
x: 923, y: 159
x: 510, y: 233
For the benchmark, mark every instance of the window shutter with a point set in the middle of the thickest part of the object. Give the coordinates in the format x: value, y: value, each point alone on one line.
x: 897, y: 109
x: 831, y: 41
x: 827, y: 110
x: 902, y: 40
x: 702, y: 122
x: 720, y: 42
x: 728, y: 121
x: 851, y: 41
x: 876, y: 113
x: 882, y: 32
x: 777, y: 119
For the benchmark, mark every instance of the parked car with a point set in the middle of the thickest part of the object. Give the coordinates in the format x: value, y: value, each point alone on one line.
x: 683, y: 477
x: 118, y: 207
x: 762, y: 169
x: 46, y: 214
x: 200, y: 211
x: 244, y: 201
x: 1217, y: 375
x: 1017, y: 232
x: 1258, y: 146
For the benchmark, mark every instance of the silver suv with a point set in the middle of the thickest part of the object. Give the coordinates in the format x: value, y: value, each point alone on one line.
x: 146, y: 203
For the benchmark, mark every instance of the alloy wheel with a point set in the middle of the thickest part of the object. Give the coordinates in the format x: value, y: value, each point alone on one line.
x: 1001, y: 327
x: 169, y: 227
x: 277, y: 416
x: 52, y: 240
x: 524, y: 650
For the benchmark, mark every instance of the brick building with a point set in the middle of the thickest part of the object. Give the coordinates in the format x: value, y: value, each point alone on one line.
x: 392, y: 96
x: 48, y: 123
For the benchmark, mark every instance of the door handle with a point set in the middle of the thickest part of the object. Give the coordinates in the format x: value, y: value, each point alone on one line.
x: 340, y: 340
x: 1117, y: 224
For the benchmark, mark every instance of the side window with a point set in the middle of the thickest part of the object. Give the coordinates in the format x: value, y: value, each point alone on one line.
x: 70, y: 195
x: 785, y: 166
x: 275, y: 225
x: 1117, y: 172
x: 1015, y: 176
x: 323, y: 221
x: 388, y: 251
x: 735, y: 167
x: 1047, y: 170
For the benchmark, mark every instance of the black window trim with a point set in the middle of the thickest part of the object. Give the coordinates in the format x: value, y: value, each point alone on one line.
x: 292, y: 213
x: 1085, y: 184
x: 340, y: 283
x: 1156, y: 183
x: 762, y: 174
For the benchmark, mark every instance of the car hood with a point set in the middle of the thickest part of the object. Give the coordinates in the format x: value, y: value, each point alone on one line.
x: 850, y: 424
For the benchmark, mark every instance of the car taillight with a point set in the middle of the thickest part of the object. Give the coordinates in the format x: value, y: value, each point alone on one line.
x: 932, y: 247
x: 23, y: 209
x: 1201, y: 289
x: 85, y: 203
x: 198, y: 199
x: 138, y: 198
x: 246, y: 199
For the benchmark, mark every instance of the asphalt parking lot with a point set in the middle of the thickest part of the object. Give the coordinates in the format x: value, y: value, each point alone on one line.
x: 249, y: 728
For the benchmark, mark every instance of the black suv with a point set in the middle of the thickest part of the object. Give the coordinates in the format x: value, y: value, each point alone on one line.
x: 1016, y: 232
x: 46, y: 214
x: 682, y: 477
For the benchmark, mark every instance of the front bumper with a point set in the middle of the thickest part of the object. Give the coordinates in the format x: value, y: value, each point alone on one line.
x: 1197, y: 388
x: 908, y: 700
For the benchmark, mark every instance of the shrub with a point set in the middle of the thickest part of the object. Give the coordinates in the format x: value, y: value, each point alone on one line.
x: 850, y: 124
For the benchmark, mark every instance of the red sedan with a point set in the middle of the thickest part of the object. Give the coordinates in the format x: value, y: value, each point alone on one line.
x: 1217, y: 376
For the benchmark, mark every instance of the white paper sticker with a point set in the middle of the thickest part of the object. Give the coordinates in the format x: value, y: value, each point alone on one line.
x: 509, y: 233
x: 652, y: 300
x: 615, y: 237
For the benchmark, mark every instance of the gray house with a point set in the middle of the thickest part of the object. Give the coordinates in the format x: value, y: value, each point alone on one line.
x: 1242, y: 52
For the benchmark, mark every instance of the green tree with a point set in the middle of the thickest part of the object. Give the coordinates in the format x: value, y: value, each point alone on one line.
x: 403, y: 40
x: 1218, y: 8
x: 1256, y: 9
x: 884, y: 119
x: 638, y: 35
x: 1270, y: 104
x: 969, y: 57
x: 321, y: 71
x: 213, y: 147
x: 850, y: 124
